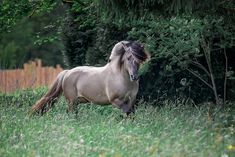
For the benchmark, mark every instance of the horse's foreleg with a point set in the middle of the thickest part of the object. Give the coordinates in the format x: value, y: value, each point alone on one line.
x: 132, y: 104
x: 125, y: 106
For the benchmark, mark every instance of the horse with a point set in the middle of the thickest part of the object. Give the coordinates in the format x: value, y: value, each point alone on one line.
x: 115, y: 83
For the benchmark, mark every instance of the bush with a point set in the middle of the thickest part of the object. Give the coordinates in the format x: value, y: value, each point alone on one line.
x: 177, y: 50
x: 191, y: 53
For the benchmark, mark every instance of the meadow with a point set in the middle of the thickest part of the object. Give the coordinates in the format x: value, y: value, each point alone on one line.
x: 170, y: 129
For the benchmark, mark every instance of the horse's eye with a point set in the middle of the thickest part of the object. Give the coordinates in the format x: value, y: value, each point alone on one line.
x: 109, y: 60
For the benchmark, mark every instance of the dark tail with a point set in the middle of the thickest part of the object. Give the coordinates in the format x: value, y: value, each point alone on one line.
x: 50, y: 97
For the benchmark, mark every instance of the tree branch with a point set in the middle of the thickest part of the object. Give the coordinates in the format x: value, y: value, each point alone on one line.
x: 72, y: 1
x: 225, y: 76
x: 199, y: 65
x: 196, y: 75
x: 67, y: 1
x: 207, y: 51
x: 32, y: 13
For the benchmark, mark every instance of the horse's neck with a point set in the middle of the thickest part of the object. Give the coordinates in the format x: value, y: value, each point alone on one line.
x: 118, y: 70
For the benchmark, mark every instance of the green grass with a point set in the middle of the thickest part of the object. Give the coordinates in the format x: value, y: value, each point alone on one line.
x: 170, y: 130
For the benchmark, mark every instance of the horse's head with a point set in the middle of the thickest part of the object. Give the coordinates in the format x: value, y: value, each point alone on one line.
x: 133, y: 56
x: 128, y: 55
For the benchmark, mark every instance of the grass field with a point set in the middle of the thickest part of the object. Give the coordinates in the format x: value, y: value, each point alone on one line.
x: 169, y: 130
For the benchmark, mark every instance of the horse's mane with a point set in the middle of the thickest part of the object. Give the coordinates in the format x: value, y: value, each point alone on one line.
x: 137, y: 50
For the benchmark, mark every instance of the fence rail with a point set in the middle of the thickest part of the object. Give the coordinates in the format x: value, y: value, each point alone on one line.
x: 32, y: 75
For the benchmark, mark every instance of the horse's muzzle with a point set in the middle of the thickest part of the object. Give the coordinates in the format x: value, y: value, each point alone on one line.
x: 134, y: 77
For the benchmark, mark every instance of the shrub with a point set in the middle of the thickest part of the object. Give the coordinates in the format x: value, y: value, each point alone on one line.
x: 192, y: 53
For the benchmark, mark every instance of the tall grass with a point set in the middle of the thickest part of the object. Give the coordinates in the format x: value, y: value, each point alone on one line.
x: 169, y: 130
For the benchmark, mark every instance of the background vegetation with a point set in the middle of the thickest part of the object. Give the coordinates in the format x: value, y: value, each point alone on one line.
x: 192, y: 44
x: 191, y: 41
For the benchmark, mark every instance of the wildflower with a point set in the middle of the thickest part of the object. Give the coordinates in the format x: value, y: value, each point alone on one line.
x: 231, y: 147
x: 183, y: 81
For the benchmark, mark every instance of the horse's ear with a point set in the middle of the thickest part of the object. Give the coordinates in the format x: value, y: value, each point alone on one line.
x: 123, y: 54
x: 124, y: 46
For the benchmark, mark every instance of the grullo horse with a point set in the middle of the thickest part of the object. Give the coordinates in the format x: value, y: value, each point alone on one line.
x: 115, y: 83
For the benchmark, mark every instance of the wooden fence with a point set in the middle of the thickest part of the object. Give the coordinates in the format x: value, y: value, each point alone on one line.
x: 31, y: 76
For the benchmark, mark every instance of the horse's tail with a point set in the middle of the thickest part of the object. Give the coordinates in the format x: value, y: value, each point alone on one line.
x: 50, y: 97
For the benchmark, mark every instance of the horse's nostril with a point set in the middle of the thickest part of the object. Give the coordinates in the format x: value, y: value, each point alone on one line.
x: 134, y: 77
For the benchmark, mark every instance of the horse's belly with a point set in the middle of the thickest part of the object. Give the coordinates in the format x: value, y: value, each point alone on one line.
x: 93, y: 93
x: 102, y: 100
x: 96, y: 98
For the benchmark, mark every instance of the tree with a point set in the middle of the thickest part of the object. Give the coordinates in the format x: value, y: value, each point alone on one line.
x: 29, y: 30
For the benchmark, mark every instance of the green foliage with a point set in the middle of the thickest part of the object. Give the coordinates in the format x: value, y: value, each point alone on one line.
x: 13, y: 11
x: 78, y: 32
x: 14, y: 45
x: 37, y: 36
x: 174, y: 41
x: 139, y: 8
x: 88, y: 37
x: 176, y: 33
x: 106, y: 36
x: 170, y: 130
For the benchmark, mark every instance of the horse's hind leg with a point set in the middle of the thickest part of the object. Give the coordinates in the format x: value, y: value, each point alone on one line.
x: 74, y: 103
x: 70, y: 99
x: 70, y: 95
